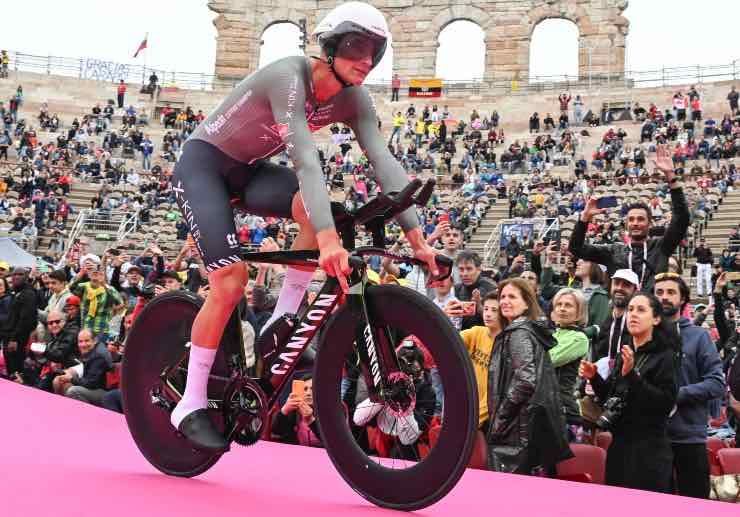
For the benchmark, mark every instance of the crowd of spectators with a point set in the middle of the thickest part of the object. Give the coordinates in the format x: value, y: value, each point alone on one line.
x: 556, y: 303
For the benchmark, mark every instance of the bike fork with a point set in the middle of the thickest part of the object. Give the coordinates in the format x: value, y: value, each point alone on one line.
x: 374, y: 346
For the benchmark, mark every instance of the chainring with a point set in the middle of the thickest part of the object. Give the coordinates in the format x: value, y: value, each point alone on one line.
x: 244, y: 411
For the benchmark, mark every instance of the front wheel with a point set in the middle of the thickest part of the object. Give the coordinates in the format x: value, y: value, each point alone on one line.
x: 376, y: 456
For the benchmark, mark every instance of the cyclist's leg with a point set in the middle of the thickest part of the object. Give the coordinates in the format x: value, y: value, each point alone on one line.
x: 273, y: 190
x: 202, y: 195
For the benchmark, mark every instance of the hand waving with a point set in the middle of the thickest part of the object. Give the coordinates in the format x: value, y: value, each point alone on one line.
x: 664, y: 161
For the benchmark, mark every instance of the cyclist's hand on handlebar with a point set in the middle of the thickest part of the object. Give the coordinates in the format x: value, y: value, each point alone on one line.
x: 333, y: 258
x: 422, y: 250
x: 427, y: 254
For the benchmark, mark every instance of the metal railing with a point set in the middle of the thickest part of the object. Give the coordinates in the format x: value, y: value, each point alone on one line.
x: 115, y: 224
x: 76, y: 229
x: 129, y: 224
x: 110, y: 71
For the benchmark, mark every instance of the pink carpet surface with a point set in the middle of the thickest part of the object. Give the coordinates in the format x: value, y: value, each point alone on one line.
x: 62, y: 457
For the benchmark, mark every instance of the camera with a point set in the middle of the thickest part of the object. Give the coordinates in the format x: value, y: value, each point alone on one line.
x: 613, y: 409
x: 146, y: 291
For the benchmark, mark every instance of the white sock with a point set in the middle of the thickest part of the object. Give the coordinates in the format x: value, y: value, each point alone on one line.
x: 196, y: 386
x: 291, y: 295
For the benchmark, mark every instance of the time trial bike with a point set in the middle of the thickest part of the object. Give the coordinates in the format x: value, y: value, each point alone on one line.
x: 358, y: 364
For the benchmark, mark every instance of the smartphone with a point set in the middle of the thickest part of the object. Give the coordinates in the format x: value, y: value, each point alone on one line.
x: 528, y: 256
x: 468, y: 308
x: 607, y: 202
x: 443, y: 218
x: 299, y: 388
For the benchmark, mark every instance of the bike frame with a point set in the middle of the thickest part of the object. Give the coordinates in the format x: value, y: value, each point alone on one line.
x: 375, y: 349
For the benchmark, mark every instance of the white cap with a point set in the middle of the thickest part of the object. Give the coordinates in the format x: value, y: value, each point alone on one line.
x: 89, y: 256
x: 627, y: 275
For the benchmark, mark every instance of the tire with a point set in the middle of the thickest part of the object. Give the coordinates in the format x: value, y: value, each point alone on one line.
x: 430, y: 479
x: 157, y: 340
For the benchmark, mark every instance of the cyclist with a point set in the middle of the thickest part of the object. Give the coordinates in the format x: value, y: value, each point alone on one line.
x: 272, y: 110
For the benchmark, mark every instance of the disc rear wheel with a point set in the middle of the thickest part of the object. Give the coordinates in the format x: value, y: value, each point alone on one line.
x: 159, y: 340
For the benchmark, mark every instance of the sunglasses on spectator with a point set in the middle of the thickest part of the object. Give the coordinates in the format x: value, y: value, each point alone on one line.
x: 53, y: 322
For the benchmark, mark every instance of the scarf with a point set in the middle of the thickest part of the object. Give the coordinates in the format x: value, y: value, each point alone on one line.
x: 91, y: 295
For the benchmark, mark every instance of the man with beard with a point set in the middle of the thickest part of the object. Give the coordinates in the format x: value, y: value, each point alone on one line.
x: 646, y: 257
x: 700, y: 381
x: 613, y: 330
x: 21, y: 321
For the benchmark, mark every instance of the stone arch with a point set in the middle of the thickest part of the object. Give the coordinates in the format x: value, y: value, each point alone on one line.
x: 455, y: 36
x: 415, y: 26
x: 562, y: 10
x: 279, y: 15
x: 279, y: 39
x: 572, y: 52
x: 461, y: 12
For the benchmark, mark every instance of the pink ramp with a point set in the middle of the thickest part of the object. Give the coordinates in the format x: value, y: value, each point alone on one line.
x: 62, y: 457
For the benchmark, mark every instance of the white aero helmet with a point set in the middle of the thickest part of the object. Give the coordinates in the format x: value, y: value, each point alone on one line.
x: 353, y: 18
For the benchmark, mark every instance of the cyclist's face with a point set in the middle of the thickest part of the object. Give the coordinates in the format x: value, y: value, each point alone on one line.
x: 354, y: 58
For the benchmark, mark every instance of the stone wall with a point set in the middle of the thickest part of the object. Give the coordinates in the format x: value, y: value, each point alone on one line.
x: 416, y: 24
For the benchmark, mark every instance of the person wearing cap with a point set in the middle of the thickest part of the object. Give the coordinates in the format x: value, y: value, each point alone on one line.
x: 171, y: 281
x: 613, y: 330
x: 4, y: 269
x: 700, y: 381
x: 72, y: 312
x: 643, y: 255
x: 22, y: 319
x: 98, y: 301
x: 704, y: 261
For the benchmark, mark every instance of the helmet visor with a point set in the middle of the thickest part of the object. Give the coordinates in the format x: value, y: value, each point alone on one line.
x: 357, y: 47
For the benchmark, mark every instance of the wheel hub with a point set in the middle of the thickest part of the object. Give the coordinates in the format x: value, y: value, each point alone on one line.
x: 245, y: 411
x: 400, y: 394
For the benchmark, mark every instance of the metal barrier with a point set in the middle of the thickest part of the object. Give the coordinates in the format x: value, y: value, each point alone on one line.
x: 541, y: 228
x: 129, y: 224
x: 111, y: 72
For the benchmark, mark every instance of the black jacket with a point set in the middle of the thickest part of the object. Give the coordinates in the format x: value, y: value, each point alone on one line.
x: 609, y: 339
x: 528, y: 427
x: 659, y: 249
x: 285, y: 428
x: 703, y: 255
x: 5, y: 302
x: 649, y: 395
x: 62, y: 348
x: 23, y: 316
x: 465, y: 293
x: 96, y: 366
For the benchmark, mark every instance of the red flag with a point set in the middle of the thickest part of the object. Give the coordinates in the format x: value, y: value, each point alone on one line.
x: 142, y: 46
